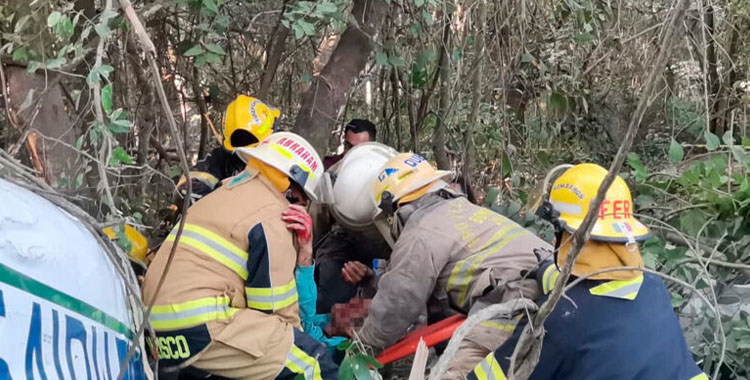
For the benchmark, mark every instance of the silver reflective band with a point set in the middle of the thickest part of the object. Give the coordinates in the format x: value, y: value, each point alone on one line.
x: 217, y: 247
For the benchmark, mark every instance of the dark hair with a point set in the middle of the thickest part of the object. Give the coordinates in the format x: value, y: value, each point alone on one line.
x: 362, y: 125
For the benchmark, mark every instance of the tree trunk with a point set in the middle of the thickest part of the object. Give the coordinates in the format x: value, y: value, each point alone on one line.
x: 47, y: 118
x: 203, y: 109
x: 438, y: 137
x: 275, y: 48
x: 712, y: 72
x: 476, y: 94
x: 323, y: 103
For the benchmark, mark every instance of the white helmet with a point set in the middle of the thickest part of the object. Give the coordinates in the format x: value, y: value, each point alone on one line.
x: 292, y: 155
x: 352, y: 206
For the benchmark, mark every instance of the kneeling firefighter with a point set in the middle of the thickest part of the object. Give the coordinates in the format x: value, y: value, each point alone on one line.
x: 246, y: 122
x: 229, y: 303
x: 612, y: 325
x: 447, y: 254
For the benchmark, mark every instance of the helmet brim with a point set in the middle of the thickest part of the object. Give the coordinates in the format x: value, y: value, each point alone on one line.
x: 611, y: 230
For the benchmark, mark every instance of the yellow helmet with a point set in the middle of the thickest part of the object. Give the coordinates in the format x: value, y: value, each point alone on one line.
x: 404, y: 178
x: 572, y: 193
x: 248, y: 121
x: 138, y: 243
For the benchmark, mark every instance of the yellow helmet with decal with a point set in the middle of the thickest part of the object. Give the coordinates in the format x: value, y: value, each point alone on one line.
x: 404, y: 178
x: 248, y: 121
x: 572, y: 193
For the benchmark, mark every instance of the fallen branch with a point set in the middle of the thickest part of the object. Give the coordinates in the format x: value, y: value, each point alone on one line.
x: 148, y: 47
x: 526, y: 354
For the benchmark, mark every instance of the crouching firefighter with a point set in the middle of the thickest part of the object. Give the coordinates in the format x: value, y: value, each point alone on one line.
x: 229, y: 303
x: 613, y: 325
x: 447, y: 254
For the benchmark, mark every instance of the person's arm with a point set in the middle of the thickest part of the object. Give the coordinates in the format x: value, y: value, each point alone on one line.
x: 205, y: 175
x: 403, y: 291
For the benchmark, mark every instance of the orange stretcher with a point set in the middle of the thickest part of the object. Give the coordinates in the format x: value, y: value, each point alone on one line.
x: 432, y: 335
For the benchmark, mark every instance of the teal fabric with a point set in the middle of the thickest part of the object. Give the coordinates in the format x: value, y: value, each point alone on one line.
x: 312, y: 324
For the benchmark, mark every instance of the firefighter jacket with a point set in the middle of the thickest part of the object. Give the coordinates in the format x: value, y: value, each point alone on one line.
x: 450, y: 252
x: 613, y: 330
x: 231, y: 279
x: 208, y: 173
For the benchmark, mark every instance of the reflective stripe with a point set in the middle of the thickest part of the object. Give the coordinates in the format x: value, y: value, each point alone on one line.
x: 299, y: 362
x: 549, y: 278
x: 464, y: 270
x: 702, y: 376
x: 623, y: 289
x: 214, y: 246
x: 206, y: 178
x: 272, y: 298
x: 489, y: 369
x: 499, y: 326
x: 191, y: 313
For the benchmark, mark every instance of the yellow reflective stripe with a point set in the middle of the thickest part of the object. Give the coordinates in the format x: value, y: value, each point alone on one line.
x: 272, y: 298
x: 549, y: 278
x: 499, y: 326
x: 191, y: 313
x: 702, y: 376
x: 214, y: 246
x: 623, y: 289
x: 489, y: 369
x: 299, y: 362
x: 456, y: 272
x: 281, y: 150
x: 463, y: 277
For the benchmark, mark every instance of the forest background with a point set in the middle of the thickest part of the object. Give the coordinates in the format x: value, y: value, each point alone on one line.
x: 500, y: 91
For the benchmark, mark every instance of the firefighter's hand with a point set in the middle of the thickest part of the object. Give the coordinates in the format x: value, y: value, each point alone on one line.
x: 354, y: 272
x: 299, y: 221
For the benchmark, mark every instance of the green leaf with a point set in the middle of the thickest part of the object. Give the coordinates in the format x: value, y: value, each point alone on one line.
x: 635, y: 163
x: 507, y: 166
x: 727, y: 138
x: 676, y: 300
x: 527, y: 58
x: 298, y: 31
x: 381, y: 58
x: 212, y: 58
x: 427, y: 16
x: 102, y: 30
x: 120, y: 126
x: 201, y: 61
x: 307, y: 28
x: 491, y: 198
x: 345, y: 345
x: 326, y: 7
x: 346, y: 372
x: 457, y: 54
x: 53, y: 19
x: 712, y: 141
x: 193, y: 51
x: 307, y: 78
x: 395, y: 61
x: 676, y: 153
x: 174, y: 171
x: 584, y: 37
x: 418, y: 3
x: 55, y: 63
x: 211, y: 6
x: 122, y: 239
x: 98, y: 72
x: 359, y: 367
x: 372, y: 361
x: 558, y: 102
x: 119, y: 156
x: 107, y: 98
x: 216, y: 49
x: 21, y: 54
x: 79, y: 180
x: 739, y: 155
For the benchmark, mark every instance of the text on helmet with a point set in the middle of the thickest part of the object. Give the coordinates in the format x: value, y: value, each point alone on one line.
x: 619, y: 209
x: 414, y: 160
x: 578, y: 193
x: 300, y: 151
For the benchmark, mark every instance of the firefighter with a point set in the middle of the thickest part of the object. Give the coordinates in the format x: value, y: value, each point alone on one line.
x: 247, y: 121
x: 613, y: 325
x: 447, y: 254
x: 229, y: 303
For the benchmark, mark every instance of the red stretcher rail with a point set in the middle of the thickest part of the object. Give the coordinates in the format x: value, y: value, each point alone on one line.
x: 432, y: 335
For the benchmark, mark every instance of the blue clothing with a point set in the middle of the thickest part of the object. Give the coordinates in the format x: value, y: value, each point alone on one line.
x: 308, y: 294
x: 613, y: 330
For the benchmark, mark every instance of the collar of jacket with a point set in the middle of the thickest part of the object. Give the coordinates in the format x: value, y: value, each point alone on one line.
x: 621, y: 289
x: 250, y: 174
